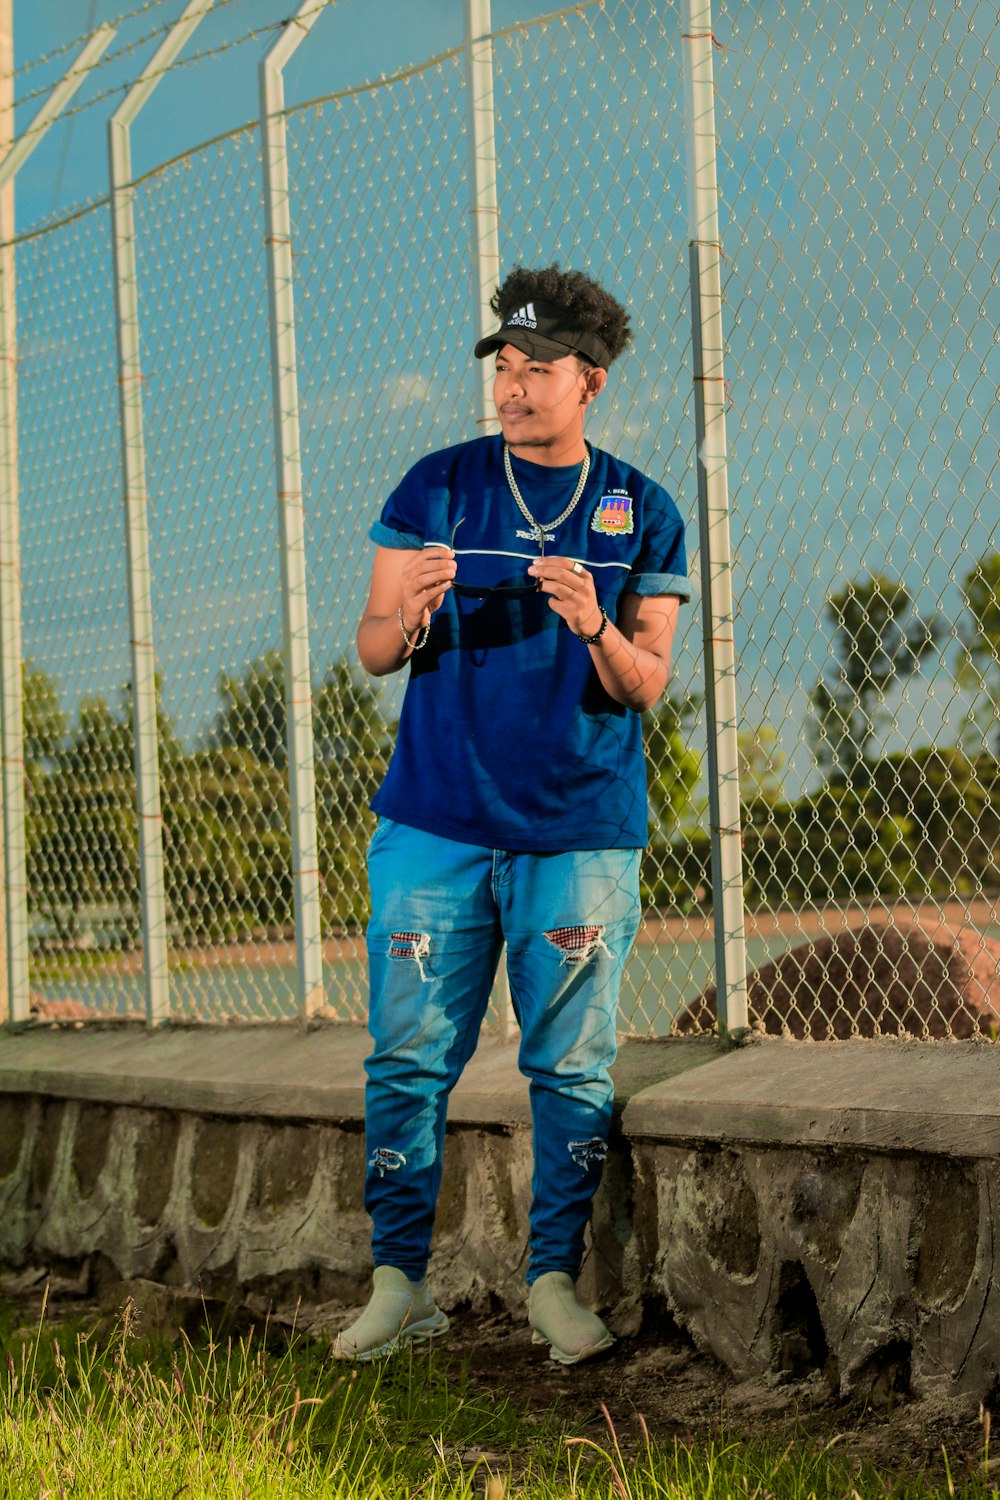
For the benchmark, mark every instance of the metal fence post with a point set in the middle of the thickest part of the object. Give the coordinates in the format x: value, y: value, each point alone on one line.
x: 705, y: 259
x: 484, y: 213
x: 291, y: 513
x: 484, y: 222
x: 147, y: 761
x: 7, y: 274
x: 15, y: 876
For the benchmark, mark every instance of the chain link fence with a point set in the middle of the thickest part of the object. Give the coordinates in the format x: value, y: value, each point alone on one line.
x: 856, y: 208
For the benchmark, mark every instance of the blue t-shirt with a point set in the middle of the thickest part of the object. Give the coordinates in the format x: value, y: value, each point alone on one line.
x: 507, y: 738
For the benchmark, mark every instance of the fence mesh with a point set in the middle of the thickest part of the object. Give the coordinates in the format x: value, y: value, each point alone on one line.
x: 854, y: 171
x: 82, y: 860
x: 854, y: 159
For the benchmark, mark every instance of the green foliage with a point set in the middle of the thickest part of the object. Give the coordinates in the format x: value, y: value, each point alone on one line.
x: 981, y: 590
x: 82, y: 844
x: 924, y: 824
x: 672, y: 767
x: 980, y: 667
x: 226, y: 813
x: 672, y: 772
x: 252, y: 716
x: 82, y: 839
x: 879, y: 640
x: 45, y: 724
x: 227, y: 844
x: 761, y: 765
x: 921, y: 823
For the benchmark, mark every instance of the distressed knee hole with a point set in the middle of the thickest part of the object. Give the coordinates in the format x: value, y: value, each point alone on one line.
x: 410, y: 945
x: 384, y: 1160
x: 576, y: 944
x: 590, y: 1153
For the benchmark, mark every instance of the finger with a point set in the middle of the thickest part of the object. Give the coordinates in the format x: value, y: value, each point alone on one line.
x: 431, y: 560
x: 430, y: 598
x: 425, y: 578
x: 569, y: 589
x: 551, y: 567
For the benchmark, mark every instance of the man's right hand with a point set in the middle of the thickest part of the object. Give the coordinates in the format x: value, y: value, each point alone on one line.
x: 425, y: 580
x: 414, y: 582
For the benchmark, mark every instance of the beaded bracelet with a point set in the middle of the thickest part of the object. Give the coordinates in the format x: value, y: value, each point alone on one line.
x: 589, y: 640
x: 422, y: 639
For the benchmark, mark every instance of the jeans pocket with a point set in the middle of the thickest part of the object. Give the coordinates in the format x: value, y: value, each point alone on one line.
x: 381, y: 830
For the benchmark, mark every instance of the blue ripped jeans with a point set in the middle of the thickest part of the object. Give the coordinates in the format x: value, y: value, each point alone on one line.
x: 441, y: 912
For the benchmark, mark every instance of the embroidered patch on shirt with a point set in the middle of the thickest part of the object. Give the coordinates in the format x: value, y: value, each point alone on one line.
x: 613, y: 515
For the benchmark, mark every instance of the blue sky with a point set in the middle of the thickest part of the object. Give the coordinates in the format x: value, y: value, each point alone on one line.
x: 349, y: 44
x: 856, y: 213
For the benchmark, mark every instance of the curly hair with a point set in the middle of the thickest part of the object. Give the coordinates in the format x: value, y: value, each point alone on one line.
x: 592, y: 307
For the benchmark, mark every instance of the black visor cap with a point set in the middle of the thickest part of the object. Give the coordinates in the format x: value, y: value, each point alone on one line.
x: 545, y: 332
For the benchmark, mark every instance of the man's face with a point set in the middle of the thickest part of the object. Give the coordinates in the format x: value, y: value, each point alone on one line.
x: 540, y: 403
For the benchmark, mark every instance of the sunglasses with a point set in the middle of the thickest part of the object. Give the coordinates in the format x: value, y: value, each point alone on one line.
x: 508, y: 590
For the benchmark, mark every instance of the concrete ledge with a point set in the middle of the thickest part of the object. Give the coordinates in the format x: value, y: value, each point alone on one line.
x: 802, y: 1208
x: 929, y: 1097
x: 282, y: 1072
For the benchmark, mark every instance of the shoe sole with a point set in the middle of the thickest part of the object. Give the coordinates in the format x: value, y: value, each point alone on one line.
x: 587, y: 1352
x: 412, y: 1333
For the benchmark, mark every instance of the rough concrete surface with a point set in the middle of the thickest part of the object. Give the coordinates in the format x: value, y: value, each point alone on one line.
x: 829, y: 1208
x: 801, y: 1209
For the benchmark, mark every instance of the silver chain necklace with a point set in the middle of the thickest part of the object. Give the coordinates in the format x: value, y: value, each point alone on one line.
x: 536, y: 526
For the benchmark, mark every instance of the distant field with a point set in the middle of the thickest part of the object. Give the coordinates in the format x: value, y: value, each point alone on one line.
x: 671, y: 964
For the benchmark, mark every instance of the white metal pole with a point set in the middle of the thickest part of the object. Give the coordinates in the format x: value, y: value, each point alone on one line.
x: 705, y: 259
x: 11, y: 712
x: 7, y: 271
x: 140, y: 594
x: 291, y: 513
x: 484, y: 213
x: 484, y: 222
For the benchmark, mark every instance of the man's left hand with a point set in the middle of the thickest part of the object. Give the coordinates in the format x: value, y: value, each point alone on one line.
x: 571, y: 591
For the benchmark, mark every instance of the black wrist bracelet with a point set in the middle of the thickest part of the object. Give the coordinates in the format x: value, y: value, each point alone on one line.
x: 588, y: 640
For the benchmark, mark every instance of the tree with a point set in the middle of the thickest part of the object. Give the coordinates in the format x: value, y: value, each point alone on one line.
x: 879, y: 640
x: 82, y: 835
x: 672, y: 773
x: 227, y: 844
x: 83, y: 848
x: 351, y: 745
x: 761, y: 764
x: 252, y: 716
x: 45, y: 723
x: 348, y: 728
x: 980, y: 667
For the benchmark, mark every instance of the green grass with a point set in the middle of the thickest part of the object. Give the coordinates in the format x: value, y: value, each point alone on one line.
x: 112, y: 1418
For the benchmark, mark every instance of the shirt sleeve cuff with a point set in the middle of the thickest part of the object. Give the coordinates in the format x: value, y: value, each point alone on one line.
x: 652, y: 584
x: 385, y: 536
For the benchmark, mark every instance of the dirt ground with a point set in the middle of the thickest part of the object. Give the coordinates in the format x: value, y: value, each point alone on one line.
x: 656, y: 1377
x: 652, y: 1378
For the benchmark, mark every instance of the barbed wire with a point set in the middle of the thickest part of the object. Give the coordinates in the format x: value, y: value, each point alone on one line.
x: 177, y: 64
x: 386, y: 81
x: 180, y: 62
x: 77, y: 42
x: 276, y: 25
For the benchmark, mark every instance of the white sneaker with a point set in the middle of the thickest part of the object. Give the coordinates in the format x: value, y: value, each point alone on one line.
x: 399, y: 1312
x: 558, y: 1320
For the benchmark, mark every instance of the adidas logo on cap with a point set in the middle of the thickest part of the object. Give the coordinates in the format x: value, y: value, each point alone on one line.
x: 523, y: 318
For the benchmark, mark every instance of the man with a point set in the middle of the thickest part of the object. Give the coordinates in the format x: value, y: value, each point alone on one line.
x: 532, y: 585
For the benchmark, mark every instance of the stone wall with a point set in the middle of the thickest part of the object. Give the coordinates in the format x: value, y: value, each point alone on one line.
x: 876, y: 1271
x: 797, y: 1209
x: 234, y: 1206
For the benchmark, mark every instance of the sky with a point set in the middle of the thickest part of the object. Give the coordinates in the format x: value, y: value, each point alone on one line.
x: 856, y: 213
x: 202, y: 98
